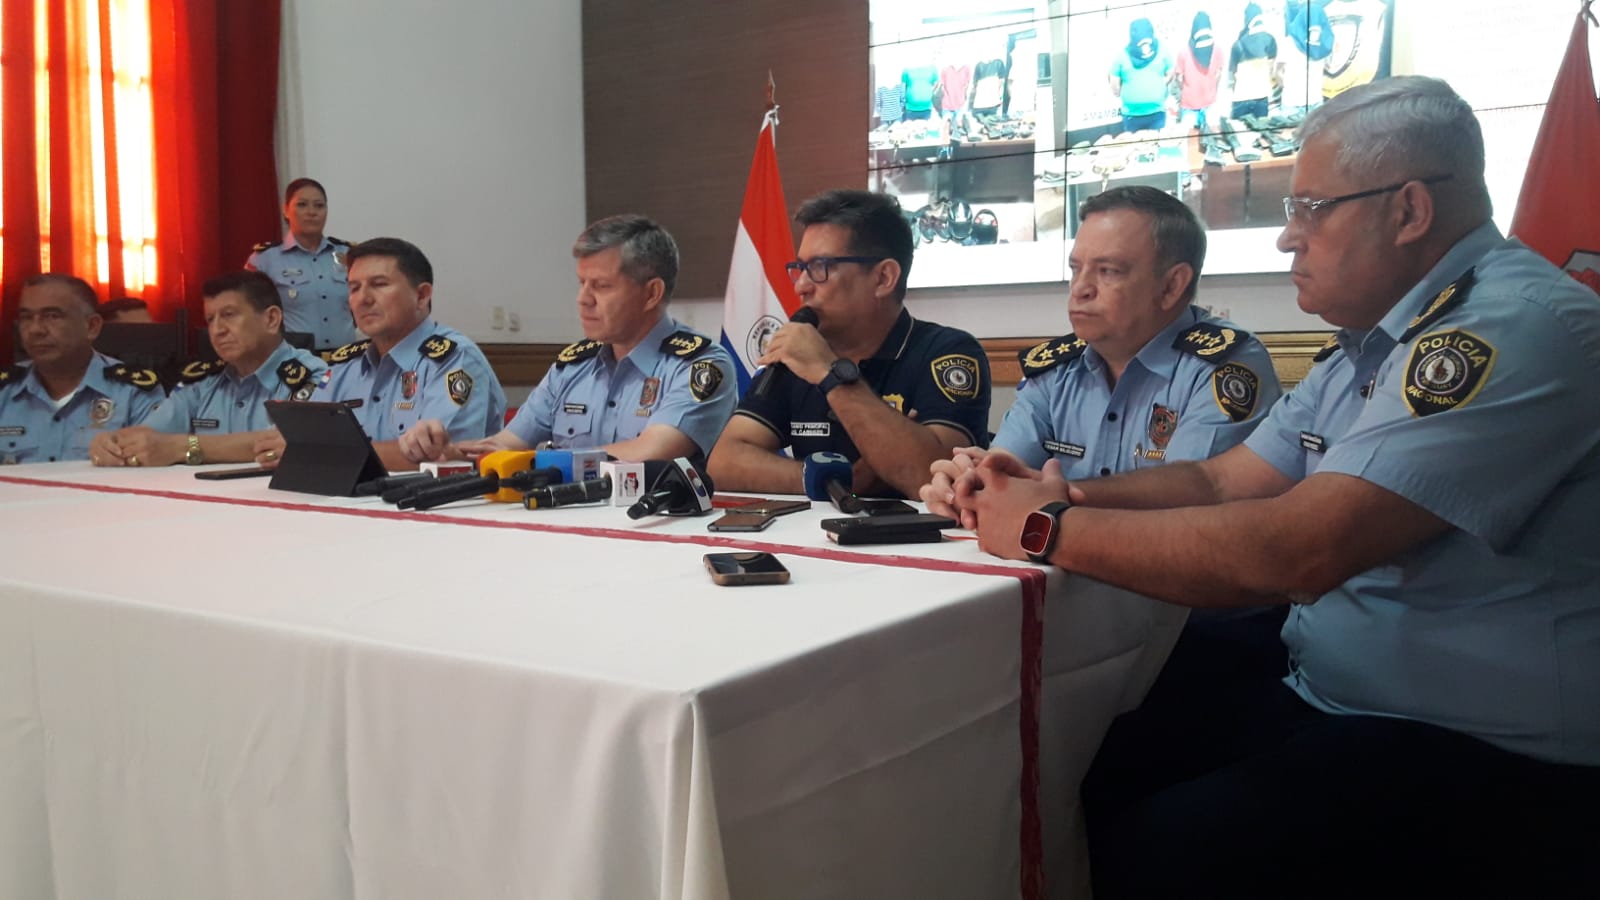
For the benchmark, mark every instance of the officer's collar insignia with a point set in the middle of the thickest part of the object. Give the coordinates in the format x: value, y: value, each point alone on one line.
x: 1048, y: 355
x: 437, y: 347
x: 199, y: 371
x: 1328, y: 349
x: 1453, y: 295
x: 1445, y: 370
x: 347, y: 352
x: 1209, y: 341
x: 293, y: 372
x: 577, y: 352
x: 685, y: 344
x: 12, y: 373
x: 143, y: 379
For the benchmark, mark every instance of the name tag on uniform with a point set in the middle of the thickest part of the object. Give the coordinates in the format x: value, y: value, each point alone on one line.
x: 810, y: 429
x: 208, y: 424
x: 13, y: 430
x: 405, y: 404
x: 1316, y: 443
x: 576, y: 409
x: 1073, y: 450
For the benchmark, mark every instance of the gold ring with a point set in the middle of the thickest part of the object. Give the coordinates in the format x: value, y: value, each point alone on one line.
x: 271, y: 454
x: 133, y: 460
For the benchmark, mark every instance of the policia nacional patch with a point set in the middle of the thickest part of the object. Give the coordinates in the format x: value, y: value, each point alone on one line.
x: 956, y: 374
x: 460, y: 385
x: 704, y: 379
x: 1236, y: 387
x: 1445, y: 370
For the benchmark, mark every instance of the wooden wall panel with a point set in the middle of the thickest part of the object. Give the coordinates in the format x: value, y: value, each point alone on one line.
x: 673, y: 94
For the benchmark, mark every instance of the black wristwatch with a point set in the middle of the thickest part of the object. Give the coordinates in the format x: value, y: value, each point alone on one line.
x: 843, y: 371
x: 1040, y: 530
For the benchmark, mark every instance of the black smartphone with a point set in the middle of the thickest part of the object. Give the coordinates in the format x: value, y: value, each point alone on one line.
x: 230, y: 474
x: 746, y: 568
x: 886, y: 507
x: 772, y: 507
x: 741, y: 521
x: 915, y: 528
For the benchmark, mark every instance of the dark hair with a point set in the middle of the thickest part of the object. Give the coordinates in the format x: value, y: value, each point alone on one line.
x: 877, y: 226
x: 256, y: 287
x: 1179, y: 237
x: 298, y: 183
x: 647, y: 250
x: 407, y: 258
x: 77, y: 286
x: 111, y: 308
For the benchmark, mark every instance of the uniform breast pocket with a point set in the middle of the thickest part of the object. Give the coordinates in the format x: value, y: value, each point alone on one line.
x: 572, y: 428
x: 17, y: 446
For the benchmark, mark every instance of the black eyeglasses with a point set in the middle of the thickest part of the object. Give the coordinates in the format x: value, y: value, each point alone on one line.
x: 818, y: 267
x: 1306, y: 210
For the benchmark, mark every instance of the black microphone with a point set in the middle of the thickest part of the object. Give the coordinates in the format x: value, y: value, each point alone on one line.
x: 762, y: 382
x: 402, y: 493
x: 477, y: 485
x: 680, y: 489
x: 378, y: 486
x: 571, y: 493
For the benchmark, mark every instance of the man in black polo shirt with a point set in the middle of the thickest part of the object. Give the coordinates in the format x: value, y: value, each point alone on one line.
x: 891, y: 393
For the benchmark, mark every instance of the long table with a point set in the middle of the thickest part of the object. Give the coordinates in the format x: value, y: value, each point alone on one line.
x: 213, y: 689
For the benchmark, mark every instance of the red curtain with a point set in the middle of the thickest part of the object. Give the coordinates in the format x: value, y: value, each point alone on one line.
x: 213, y: 82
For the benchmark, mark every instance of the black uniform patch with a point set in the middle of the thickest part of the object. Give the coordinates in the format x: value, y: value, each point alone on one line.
x: 200, y: 371
x: 1209, y: 341
x: 12, y: 373
x: 1235, y: 386
x: 1073, y: 450
x: 577, y: 352
x: 347, y: 352
x: 956, y: 374
x: 704, y: 379
x: 1328, y: 349
x: 574, y: 409
x: 460, y: 385
x: 1046, y: 356
x: 266, y: 245
x: 1453, y: 295
x: 1316, y: 443
x: 685, y: 344
x: 1445, y: 370
x: 296, y: 376
x: 437, y: 347
x: 143, y: 379
x: 204, y: 424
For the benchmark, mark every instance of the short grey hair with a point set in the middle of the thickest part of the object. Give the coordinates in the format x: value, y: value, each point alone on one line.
x: 1408, y: 126
x: 74, y: 285
x: 647, y: 250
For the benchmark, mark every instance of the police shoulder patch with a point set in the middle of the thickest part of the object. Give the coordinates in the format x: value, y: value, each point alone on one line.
x: 1236, y: 388
x: 1328, y: 349
x: 346, y: 353
x: 438, y: 347
x: 460, y: 385
x: 1209, y: 341
x: 704, y: 379
x: 956, y: 375
x: 685, y: 344
x: 577, y: 352
x: 1445, y: 370
x: 200, y: 371
x: 1453, y: 295
x: 143, y: 379
x: 1046, y: 356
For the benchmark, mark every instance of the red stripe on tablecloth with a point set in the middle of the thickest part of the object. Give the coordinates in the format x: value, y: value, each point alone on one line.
x: 1033, y: 593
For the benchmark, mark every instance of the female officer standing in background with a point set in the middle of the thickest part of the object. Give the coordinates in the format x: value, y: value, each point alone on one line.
x: 308, y: 268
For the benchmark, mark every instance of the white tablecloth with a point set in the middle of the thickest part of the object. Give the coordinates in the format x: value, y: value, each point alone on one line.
x: 211, y: 689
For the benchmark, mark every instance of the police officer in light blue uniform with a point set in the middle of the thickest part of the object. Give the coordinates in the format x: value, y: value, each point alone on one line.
x: 640, y: 385
x: 52, y: 408
x: 1148, y: 378
x: 308, y: 268
x: 412, y: 369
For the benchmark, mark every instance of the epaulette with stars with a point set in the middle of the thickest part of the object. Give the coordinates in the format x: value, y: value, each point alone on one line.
x: 12, y: 375
x: 296, y: 376
x: 200, y: 371
x: 1328, y: 349
x: 1209, y: 341
x: 685, y: 344
x: 266, y: 245
x: 143, y: 379
x: 577, y: 352
x: 1453, y: 295
x: 346, y: 353
x: 1046, y: 356
x: 438, y: 347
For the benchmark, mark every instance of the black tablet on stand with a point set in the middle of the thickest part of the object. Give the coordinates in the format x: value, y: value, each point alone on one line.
x: 326, y: 451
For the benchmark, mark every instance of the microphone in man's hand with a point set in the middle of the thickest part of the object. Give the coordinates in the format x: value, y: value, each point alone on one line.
x: 828, y: 476
x: 679, y: 488
x: 762, y: 382
x: 571, y: 493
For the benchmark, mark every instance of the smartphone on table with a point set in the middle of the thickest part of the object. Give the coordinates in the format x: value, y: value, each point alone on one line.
x: 230, y: 474
x: 746, y: 568
x: 741, y: 521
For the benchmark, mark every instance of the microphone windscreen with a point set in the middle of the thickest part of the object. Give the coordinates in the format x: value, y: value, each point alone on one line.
x: 821, y: 468
x: 805, y: 315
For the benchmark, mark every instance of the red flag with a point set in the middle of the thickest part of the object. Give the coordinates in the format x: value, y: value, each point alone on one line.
x: 1556, y: 211
x: 760, y: 297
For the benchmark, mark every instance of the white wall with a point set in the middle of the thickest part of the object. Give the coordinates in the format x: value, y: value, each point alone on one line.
x: 457, y: 126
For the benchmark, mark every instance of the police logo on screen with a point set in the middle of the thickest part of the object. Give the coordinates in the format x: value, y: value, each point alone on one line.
x: 957, y: 376
x: 1445, y: 370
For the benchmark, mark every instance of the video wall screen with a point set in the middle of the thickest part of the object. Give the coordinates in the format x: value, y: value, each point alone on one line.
x: 993, y: 121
